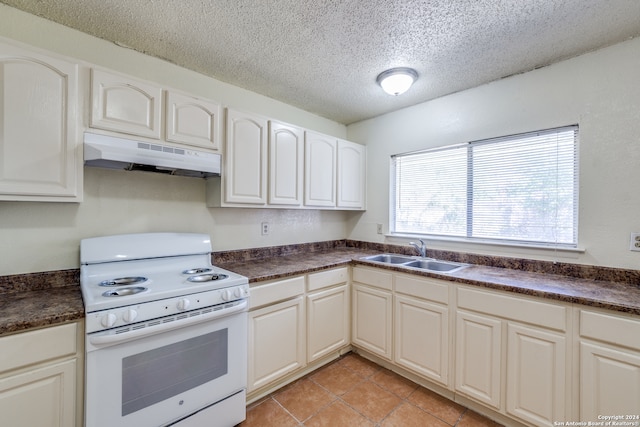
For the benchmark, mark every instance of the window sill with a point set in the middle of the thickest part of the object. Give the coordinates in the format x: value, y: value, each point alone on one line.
x: 481, y: 243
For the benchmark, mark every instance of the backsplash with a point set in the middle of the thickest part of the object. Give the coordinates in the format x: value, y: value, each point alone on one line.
x: 39, y: 281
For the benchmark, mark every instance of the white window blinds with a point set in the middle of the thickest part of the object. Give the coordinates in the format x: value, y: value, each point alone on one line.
x: 522, y: 189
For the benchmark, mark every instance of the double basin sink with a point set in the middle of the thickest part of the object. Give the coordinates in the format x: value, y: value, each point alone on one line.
x: 426, y: 264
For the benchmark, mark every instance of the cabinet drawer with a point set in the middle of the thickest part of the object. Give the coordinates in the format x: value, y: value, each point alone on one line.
x: 280, y: 290
x: 373, y: 277
x: 610, y: 328
x: 37, y: 346
x: 514, y: 308
x: 423, y: 288
x: 327, y: 278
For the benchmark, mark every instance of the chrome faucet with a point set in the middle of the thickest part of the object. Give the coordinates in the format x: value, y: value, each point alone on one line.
x: 421, y: 248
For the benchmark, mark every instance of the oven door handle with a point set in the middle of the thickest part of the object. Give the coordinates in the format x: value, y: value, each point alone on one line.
x: 111, y: 339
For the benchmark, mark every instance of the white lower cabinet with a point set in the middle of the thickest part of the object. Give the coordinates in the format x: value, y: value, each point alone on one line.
x: 609, y: 365
x: 421, y: 327
x: 276, y: 331
x: 536, y: 374
x: 277, y: 341
x: 39, y: 373
x: 40, y: 397
x: 511, y: 354
x: 372, y: 320
x: 372, y: 327
x: 328, y: 313
x: 479, y: 357
x: 296, y: 325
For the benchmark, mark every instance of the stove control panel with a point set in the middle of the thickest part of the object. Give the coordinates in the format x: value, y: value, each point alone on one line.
x: 128, y: 315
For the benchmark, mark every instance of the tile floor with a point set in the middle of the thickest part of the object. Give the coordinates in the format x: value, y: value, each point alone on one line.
x: 354, y: 392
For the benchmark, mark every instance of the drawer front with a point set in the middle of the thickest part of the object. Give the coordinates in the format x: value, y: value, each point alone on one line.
x: 432, y: 290
x: 327, y: 278
x: 269, y: 293
x: 610, y: 328
x: 38, y: 346
x: 515, y: 308
x: 373, y: 277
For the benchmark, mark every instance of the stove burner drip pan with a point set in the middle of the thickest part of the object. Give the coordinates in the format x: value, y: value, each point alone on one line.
x: 197, y: 270
x: 123, y: 292
x: 123, y: 281
x: 207, y: 277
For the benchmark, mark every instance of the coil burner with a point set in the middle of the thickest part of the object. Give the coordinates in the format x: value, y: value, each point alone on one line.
x: 124, y: 281
x: 197, y: 270
x: 123, y: 292
x: 207, y: 277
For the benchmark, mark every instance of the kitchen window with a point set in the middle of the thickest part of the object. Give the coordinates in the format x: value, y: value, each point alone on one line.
x: 519, y: 189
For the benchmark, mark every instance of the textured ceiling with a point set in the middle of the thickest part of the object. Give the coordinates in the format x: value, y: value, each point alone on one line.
x: 324, y: 55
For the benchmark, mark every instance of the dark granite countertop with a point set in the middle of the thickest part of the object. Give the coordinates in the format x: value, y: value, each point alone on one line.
x: 39, y: 308
x: 46, y: 299
x: 612, y: 295
x: 278, y: 267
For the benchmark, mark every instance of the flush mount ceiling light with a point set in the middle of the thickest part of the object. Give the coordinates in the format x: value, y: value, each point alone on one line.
x: 397, y: 80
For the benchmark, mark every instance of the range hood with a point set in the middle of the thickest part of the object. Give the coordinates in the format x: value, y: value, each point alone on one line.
x: 128, y: 154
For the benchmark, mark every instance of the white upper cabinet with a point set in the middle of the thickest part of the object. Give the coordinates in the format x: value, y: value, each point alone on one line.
x: 123, y: 104
x: 245, y: 177
x: 40, y: 154
x: 351, y: 175
x: 193, y: 121
x: 335, y: 172
x: 286, y: 162
x: 320, y: 155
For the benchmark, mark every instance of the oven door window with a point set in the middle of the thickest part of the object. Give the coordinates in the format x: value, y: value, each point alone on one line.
x: 155, y: 375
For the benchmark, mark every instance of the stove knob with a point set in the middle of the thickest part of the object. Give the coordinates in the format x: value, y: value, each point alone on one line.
x: 237, y: 293
x: 130, y: 315
x: 183, y: 304
x: 108, y: 320
x: 226, y: 295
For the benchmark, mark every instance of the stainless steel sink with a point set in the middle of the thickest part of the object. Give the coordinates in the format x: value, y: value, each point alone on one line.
x: 435, y: 265
x: 426, y: 264
x: 390, y: 258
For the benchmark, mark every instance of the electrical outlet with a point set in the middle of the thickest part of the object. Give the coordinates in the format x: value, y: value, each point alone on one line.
x: 379, y: 228
x: 634, y: 242
x: 265, y: 228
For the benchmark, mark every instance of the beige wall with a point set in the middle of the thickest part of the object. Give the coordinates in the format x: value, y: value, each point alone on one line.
x: 600, y: 91
x: 45, y: 236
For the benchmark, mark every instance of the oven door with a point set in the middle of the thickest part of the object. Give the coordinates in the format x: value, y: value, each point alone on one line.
x: 161, y: 378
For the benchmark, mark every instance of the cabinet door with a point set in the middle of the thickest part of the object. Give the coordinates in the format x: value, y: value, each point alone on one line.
x: 320, y: 153
x: 245, y: 179
x: 478, y: 357
x: 40, y: 159
x: 609, y: 381
x: 193, y: 121
x: 122, y: 104
x: 43, y: 397
x: 327, y: 321
x: 372, y: 311
x: 351, y: 175
x: 423, y: 349
x: 286, y: 162
x: 536, y: 375
x: 276, y: 342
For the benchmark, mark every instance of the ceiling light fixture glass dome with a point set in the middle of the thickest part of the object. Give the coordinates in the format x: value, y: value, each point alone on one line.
x: 397, y: 80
